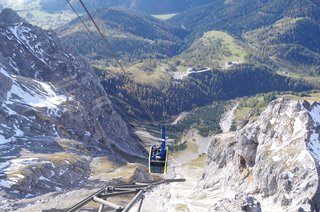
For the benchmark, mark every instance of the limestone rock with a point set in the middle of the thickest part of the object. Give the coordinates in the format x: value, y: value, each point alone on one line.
x: 274, y: 159
x: 55, y: 116
x: 240, y: 203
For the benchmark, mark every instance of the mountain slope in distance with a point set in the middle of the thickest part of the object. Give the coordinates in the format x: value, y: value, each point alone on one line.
x: 148, y: 6
x: 288, y: 30
x: 244, y: 15
x: 130, y: 33
x: 292, y: 42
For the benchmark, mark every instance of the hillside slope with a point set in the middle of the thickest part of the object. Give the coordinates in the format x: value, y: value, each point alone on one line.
x: 244, y: 15
x: 293, y: 42
x: 284, y: 33
x: 133, y: 35
x: 55, y: 116
x: 148, y: 6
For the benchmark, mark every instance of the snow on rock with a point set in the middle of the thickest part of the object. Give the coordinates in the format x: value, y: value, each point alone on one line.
x: 4, y: 140
x: 315, y: 113
x: 40, y: 94
x: 24, y: 36
x: 52, y: 105
x: 314, y: 141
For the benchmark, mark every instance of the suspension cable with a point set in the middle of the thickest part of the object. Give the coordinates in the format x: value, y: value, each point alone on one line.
x: 87, y: 28
x: 120, y: 65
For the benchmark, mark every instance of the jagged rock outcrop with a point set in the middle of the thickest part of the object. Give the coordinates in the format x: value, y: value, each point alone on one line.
x: 54, y: 115
x: 274, y: 159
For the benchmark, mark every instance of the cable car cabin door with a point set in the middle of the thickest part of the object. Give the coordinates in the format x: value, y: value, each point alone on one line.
x: 157, y: 165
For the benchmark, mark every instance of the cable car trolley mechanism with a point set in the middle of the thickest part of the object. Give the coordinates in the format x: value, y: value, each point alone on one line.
x: 158, y: 156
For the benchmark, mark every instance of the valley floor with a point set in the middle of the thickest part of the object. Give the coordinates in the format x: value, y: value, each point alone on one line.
x: 182, y: 196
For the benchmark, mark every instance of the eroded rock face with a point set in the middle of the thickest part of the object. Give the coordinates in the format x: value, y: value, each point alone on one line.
x: 239, y: 202
x: 274, y: 158
x: 54, y: 115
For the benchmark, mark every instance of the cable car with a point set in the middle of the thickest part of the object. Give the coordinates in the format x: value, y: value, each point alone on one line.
x: 158, y: 156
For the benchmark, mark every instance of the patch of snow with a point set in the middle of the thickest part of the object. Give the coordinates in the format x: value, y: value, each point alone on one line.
x: 314, y: 145
x: 5, y: 126
x: 287, y: 196
x: 4, y: 165
x: 29, y: 195
x: 2, y: 71
x: 87, y: 133
x: 43, y: 178
x: 20, y: 176
x: 4, y: 183
x: 15, y: 165
x: 6, y: 33
x: 272, y: 121
x: 276, y: 158
x: 18, y: 163
x: 58, y: 188
x: 13, y: 64
x: 4, y: 140
x: 24, y: 36
x: 248, y: 134
x: 315, y: 114
x: 298, y: 125
x: 301, y: 156
x: 41, y: 95
x: 62, y: 172
x: 18, y: 132
x: 290, y: 176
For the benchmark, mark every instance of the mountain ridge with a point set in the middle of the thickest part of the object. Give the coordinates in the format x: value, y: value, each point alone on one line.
x: 244, y: 15
x: 49, y: 95
x: 267, y: 157
x: 130, y: 33
x: 148, y: 6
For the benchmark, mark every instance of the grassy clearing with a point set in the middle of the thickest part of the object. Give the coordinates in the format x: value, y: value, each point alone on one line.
x: 156, y: 77
x: 181, y: 69
x: 199, y: 162
x: 47, y: 20
x: 311, y: 97
x: 32, y: 13
x: 70, y: 145
x: 214, y: 49
x: 165, y: 16
x: 101, y: 165
x: 125, y: 173
x: 242, y: 112
x: 59, y: 158
x: 238, y: 52
x: 267, y: 34
x: 182, y: 207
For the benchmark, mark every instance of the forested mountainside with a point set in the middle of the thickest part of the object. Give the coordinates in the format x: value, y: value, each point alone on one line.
x: 269, y: 34
x: 55, y: 117
x: 148, y: 6
x: 293, y: 43
x: 199, y: 89
x: 287, y: 32
x: 133, y: 35
x: 244, y: 15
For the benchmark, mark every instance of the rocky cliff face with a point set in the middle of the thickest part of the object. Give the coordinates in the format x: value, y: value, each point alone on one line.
x: 54, y: 116
x: 271, y: 163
